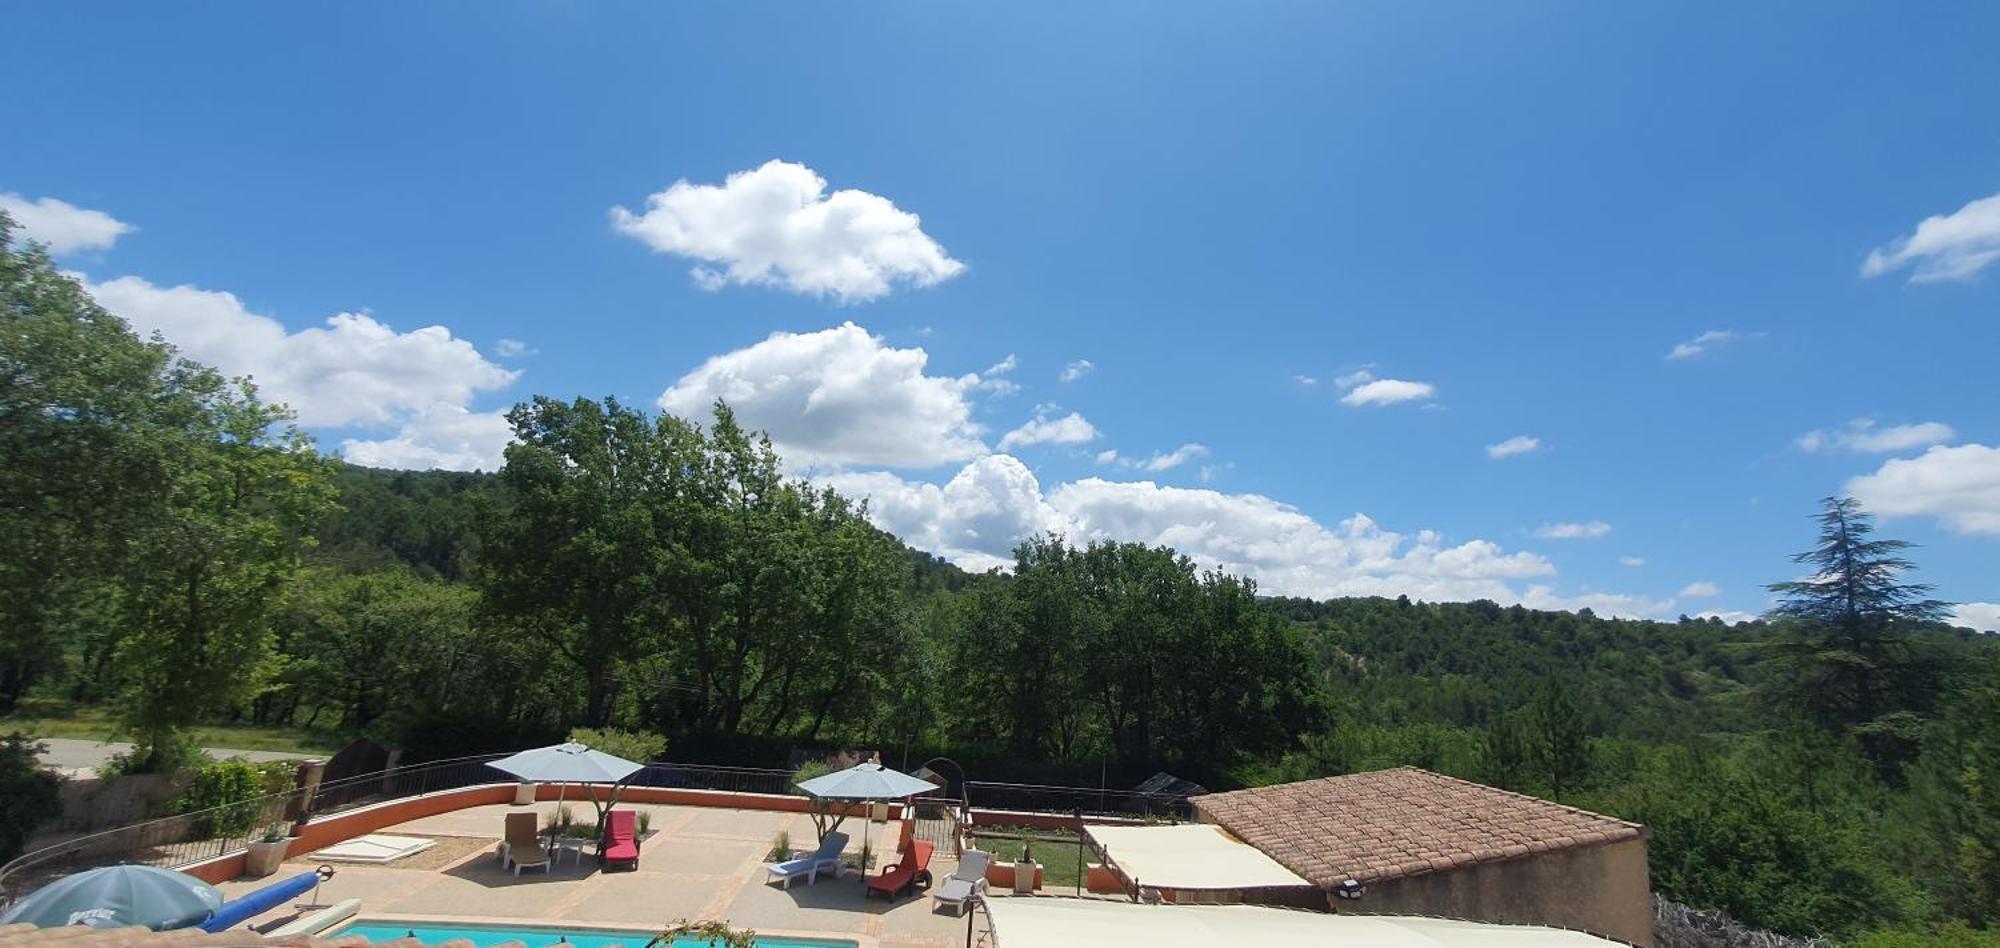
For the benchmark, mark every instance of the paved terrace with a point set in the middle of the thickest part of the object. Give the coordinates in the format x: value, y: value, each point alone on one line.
x: 699, y: 863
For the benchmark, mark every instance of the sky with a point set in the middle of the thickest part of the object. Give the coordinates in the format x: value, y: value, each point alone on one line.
x: 1567, y: 304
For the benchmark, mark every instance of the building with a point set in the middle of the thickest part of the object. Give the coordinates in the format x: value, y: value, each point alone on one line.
x: 1410, y: 842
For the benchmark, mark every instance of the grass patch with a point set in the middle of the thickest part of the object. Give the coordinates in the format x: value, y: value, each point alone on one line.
x: 1059, y: 859
x: 97, y: 724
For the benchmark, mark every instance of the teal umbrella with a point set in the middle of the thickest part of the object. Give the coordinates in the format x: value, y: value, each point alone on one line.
x: 117, y: 896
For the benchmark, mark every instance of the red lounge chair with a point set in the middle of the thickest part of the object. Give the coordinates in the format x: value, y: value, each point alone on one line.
x: 913, y: 869
x: 620, y: 845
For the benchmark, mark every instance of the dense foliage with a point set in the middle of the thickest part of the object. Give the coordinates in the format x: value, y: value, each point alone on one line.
x: 176, y: 552
x: 30, y: 797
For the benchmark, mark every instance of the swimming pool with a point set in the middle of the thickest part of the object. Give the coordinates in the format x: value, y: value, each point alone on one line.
x: 431, y: 933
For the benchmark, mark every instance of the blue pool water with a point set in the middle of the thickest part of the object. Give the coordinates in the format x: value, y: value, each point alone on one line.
x: 484, y: 935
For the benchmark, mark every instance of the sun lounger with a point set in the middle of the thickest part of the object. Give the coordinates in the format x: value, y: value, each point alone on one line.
x: 524, y: 843
x: 903, y: 875
x: 809, y: 866
x: 620, y: 845
x: 966, y: 882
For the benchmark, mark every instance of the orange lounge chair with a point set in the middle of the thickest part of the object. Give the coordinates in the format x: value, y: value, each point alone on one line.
x: 620, y: 845
x: 912, y: 871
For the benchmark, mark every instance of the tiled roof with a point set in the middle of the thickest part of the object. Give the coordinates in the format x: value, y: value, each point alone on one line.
x: 1388, y: 824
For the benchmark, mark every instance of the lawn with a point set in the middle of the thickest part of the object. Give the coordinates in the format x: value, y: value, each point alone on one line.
x: 1057, y: 852
x: 96, y: 724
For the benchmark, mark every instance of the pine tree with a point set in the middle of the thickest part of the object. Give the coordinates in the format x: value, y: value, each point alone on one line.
x: 1843, y: 649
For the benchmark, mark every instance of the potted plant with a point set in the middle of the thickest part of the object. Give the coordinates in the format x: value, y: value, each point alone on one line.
x: 267, y: 852
x: 1025, y: 868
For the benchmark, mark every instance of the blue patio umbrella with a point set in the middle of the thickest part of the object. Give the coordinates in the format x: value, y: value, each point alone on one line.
x: 117, y: 896
x: 866, y: 782
x: 565, y: 764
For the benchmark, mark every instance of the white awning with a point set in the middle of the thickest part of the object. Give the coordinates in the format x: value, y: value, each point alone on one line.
x: 1190, y: 856
x: 1092, y: 923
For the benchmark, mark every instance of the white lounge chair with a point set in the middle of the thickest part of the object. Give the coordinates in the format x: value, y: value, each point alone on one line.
x: 808, y: 867
x: 966, y: 882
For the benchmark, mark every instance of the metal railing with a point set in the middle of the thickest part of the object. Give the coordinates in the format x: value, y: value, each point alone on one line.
x: 184, y: 839
x: 708, y: 777
x: 1041, y: 798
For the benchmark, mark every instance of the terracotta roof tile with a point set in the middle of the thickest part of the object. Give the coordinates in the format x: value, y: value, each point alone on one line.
x: 1403, y: 822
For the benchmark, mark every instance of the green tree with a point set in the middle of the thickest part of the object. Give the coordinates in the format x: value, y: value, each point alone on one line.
x: 30, y: 797
x: 637, y: 746
x: 1844, y: 653
x: 1559, y: 737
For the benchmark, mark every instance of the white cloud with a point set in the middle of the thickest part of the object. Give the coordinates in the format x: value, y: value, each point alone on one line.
x: 1516, y: 445
x: 995, y: 380
x: 1983, y: 616
x: 1953, y: 246
x: 445, y: 436
x: 1700, y: 590
x: 63, y: 226
x: 1862, y: 436
x: 1158, y: 462
x: 1076, y: 370
x: 1388, y: 392
x: 512, y: 348
x: 977, y: 517
x: 1042, y: 429
x: 353, y: 370
x: 1589, y: 530
x: 1729, y: 616
x: 1633, y: 561
x: 974, y: 520
x: 776, y: 225
x: 1702, y: 343
x: 1960, y: 486
x: 838, y: 396
x: 1304, y: 380
x: 1356, y: 377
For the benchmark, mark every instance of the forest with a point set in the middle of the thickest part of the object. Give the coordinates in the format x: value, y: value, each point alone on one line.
x: 178, y: 554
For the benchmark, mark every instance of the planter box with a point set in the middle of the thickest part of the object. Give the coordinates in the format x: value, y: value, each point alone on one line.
x: 263, y: 859
x: 1001, y: 875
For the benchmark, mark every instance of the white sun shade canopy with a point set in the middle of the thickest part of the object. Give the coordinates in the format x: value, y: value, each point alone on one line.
x: 567, y: 763
x: 1093, y: 923
x: 1190, y: 856
x: 866, y: 781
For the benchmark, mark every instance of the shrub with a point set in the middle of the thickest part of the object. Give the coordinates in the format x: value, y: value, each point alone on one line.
x: 638, y: 746
x: 227, y: 793
x: 781, y: 847
x: 29, y: 796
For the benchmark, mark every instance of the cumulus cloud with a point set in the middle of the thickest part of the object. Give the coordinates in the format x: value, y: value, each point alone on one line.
x: 1983, y: 616
x: 839, y: 396
x: 776, y: 225
x: 447, y: 437
x: 977, y: 517
x: 1959, y: 486
x: 1587, y: 530
x: 1953, y: 246
x: 1516, y: 445
x: 63, y: 226
x: 1700, y: 590
x: 1363, y: 388
x: 1043, y: 429
x: 352, y: 370
x: 1076, y: 370
x: 512, y: 348
x: 1702, y: 343
x: 1863, y: 436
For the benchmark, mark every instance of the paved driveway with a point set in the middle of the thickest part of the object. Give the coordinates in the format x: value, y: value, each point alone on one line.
x: 74, y: 756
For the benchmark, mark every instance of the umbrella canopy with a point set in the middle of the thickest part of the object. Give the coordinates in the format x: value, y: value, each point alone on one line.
x: 116, y: 896
x: 568, y: 763
x: 866, y: 781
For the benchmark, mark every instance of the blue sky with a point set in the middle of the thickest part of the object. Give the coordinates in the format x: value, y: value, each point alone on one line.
x: 1507, y: 216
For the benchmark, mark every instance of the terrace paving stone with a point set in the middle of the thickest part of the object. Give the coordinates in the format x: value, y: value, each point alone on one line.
x: 699, y: 863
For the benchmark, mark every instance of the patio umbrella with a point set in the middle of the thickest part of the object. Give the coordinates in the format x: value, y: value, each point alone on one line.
x: 866, y: 782
x: 116, y: 896
x: 565, y: 764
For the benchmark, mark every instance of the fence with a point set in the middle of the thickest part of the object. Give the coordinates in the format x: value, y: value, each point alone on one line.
x: 1040, y: 798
